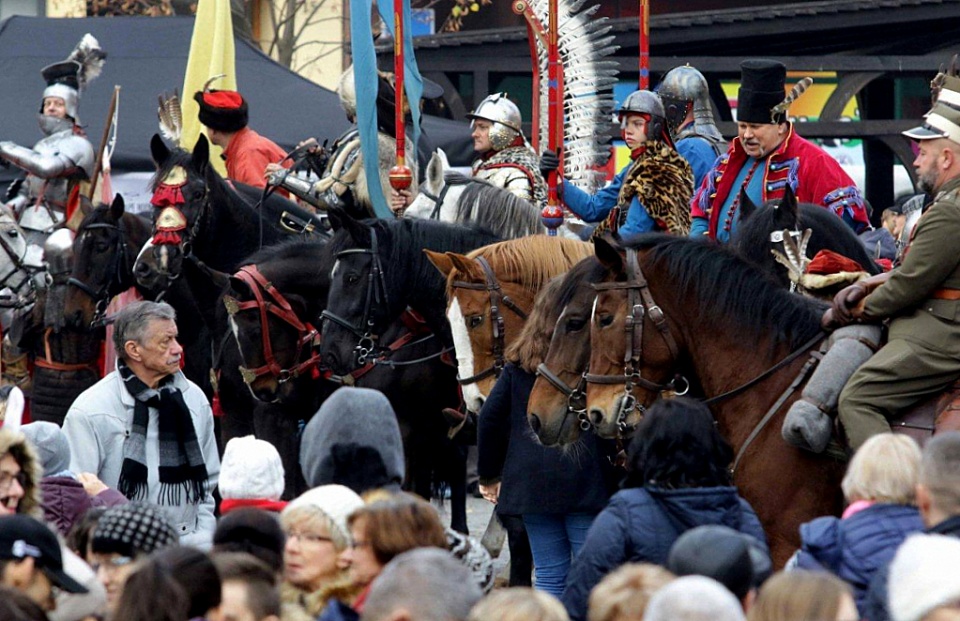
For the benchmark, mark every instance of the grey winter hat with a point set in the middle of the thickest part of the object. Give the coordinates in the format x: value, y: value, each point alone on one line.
x: 133, y: 530
x: 51, y: 445
x: 353, y: 440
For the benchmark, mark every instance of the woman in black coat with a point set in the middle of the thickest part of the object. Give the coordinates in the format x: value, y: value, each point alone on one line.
x: 557, y: 492
x: 678, y: 480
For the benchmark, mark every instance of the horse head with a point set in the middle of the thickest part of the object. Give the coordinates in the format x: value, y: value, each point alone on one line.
x: 358, y: 306
x: 633, y: 351
x: 19, y: 259
x: 182, y: 202
x: 276, y: 342
x: 557, y: 408
x: 431, y: 193
x: 103, y: 255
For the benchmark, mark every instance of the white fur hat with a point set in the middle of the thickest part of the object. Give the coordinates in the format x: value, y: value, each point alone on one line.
x: 923, y: 576
x: 251, y: 469
x: 337, y: 502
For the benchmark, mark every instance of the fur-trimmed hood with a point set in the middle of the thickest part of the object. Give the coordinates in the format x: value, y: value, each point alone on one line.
x: 15, y: 443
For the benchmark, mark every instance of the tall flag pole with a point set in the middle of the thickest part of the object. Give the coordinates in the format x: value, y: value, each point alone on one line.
x: 644, y: 44
x: 552, y: 214
x: 401, y: 177
x: 211, y: 53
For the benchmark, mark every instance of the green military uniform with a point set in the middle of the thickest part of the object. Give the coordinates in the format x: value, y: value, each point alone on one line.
x: 922, y: 354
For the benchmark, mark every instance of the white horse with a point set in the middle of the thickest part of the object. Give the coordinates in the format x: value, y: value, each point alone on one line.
x: 450, y: 196
x: 21, y: 263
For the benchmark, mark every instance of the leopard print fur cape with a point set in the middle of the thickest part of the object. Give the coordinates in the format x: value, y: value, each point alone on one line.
x: 662, y: 181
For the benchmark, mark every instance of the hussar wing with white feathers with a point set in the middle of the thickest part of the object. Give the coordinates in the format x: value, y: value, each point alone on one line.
x: 171, y: 117
x: 589, y: 75
x: 90, y: 57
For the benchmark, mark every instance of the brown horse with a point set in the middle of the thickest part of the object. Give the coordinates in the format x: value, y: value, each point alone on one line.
x: 490, y: 292
x: 669, y: 305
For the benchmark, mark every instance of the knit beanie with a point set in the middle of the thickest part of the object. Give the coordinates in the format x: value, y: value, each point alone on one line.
x: 253, y: 531
x: 225, y: 111
x: 251, y: 469
x: 353, y: 440
x: 51, y: 445
x: 132, y: 530
x: 336, y: 502
x: 717, y: 552
x: 923, y: 576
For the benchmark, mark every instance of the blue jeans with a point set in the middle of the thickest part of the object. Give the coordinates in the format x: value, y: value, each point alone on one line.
x: 555, y: 538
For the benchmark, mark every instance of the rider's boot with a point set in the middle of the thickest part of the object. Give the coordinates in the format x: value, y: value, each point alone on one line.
x: 809, y: 421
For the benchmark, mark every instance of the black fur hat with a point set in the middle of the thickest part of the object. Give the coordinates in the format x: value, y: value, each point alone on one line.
x: 762, y: 86
x: 225, y: 111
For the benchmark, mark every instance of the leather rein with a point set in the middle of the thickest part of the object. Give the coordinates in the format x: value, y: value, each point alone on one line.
x: 497, y: 298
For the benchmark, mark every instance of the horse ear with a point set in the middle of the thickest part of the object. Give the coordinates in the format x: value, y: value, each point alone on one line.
x: 464, y: 265
x: 435, y: 170
x: 788, y: 204
x: 235, y: 285
x: 444, y: 160
x: 201, y: 154
x: 608, y: 254
x: 117, y: 208
x: 747, y: 206
x: 340, y: 219
x: 440, y: 261
x: 159, y: 151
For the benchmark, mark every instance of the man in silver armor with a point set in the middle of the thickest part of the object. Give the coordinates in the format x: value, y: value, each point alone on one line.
x: 686, y: 101
x: 506, y: 159
x: 64, y: 157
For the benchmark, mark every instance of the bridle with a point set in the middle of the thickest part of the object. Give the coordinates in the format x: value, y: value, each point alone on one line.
x: 576, y: 395
x: 498, y: 346
x: 171, y: 197
x: 640, y: 304
x: 20, y: 266
x: 376, y: 295
x: 101, y: 297
x: 440, y: 198
x: 308, y: 337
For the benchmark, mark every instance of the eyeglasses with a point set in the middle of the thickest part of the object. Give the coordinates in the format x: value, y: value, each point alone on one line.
x: 7, y: 479
x: 307, y: 538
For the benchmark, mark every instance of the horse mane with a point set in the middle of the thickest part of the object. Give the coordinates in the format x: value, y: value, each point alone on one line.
x: 730, y: 293
x: 284, y: 250
x: 532, y: 344
x: 494, y: 208
x: 405, y: 235
x: 532, y: 260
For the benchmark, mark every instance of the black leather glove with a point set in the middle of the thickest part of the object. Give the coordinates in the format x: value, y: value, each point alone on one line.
x: 549, y: 162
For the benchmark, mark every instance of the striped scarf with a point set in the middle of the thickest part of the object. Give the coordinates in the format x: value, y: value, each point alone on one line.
x: 183, y: 474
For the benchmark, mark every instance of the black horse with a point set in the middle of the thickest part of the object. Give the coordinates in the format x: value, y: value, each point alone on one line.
x: 380, y: 271
x: 281, y: 359
x: 760, y: 227
x: 201, y: 213
x: 104, y: 250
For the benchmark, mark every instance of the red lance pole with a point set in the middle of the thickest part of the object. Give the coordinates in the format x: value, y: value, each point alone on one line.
x: 401, y: 177
x: 644, y: 44
x: 552, y: 214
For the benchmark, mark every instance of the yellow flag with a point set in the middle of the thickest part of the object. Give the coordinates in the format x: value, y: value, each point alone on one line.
x: 211, y: 53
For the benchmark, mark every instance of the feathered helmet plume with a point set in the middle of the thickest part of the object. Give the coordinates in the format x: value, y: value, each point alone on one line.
x: 798, y: 89
x: 69, y: 78
x: 936, y: 85
x: 171, y: 117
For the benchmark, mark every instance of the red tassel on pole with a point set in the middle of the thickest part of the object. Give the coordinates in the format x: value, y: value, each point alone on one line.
x: 401, y: 177
x: 552, y: 214
x: 644, y: 44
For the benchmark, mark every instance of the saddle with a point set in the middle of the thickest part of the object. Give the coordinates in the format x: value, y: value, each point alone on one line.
x: 936, y: 414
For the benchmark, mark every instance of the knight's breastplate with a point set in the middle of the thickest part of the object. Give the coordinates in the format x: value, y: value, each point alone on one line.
x: 47, y: 198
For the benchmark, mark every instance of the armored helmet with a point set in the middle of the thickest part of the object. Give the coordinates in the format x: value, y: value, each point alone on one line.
x: 681, y: 89
x: 505, y: 117
x: 68, y: 79
x: 648, y: 103
x: 58, y: 251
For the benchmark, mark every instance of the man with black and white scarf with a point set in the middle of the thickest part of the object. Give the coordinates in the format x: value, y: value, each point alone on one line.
x: 146, y: 430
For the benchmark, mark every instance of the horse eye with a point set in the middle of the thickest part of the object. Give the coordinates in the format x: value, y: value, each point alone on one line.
x: 605, y: 320
x: 13, y: 233
x: 475, y: 320
x: 198, y: 195
x: 352, y: 279
x: 101, y: 246
x: 574, y: 325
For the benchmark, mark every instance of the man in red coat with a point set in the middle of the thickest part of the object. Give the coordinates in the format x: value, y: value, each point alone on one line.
x: 247, y: 153
x: 765, y: 157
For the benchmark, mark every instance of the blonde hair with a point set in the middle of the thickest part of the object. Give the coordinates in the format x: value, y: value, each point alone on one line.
x: 518, y: 604
x: 624, y: 594
x: 799, y: 595
x: 885, y: 469
x: 313, y: 518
